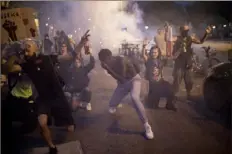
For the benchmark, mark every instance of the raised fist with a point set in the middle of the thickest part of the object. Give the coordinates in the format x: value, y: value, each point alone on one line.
x: 208, y: 29
x: 85, y: 37
x: 145, y: 42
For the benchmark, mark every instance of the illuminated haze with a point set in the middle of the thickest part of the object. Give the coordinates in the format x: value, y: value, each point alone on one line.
x: 105, y: 19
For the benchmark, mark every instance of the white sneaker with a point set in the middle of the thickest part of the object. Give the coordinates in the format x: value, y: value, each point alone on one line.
x: 148, y: 131
x: 88, y: 107
x: 119, y: 106
x: 112, y: 110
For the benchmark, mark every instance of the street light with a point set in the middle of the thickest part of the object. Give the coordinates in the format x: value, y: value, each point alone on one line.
x: 146, y: 27
x: 48, y: 18
x: 224, y: 25
x: 46, y: 24
x: 51, y: 27
x: 214, y: 27
x: 75, y: 31
x: 89, y: 19
x: 70, y: 35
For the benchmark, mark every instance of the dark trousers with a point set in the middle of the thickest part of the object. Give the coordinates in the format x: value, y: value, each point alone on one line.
x: 84, y: 95
x: 19, y: 109
x: 57, y: 108
x: 158, y: 90
x: 182, y: 70
x: 16, y: 109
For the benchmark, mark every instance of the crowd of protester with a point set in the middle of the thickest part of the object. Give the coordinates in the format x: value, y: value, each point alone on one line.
x: 40, y: 85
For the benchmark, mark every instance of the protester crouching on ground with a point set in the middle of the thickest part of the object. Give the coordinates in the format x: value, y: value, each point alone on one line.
x: 78, y: 82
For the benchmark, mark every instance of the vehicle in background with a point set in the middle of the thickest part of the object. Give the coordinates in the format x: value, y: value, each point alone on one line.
x: 217, y: 90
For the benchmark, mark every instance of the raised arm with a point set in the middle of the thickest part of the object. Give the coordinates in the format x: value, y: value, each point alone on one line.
x: 81, y: 44
x: 91, y: 63
x: 144, y: 54
x: 202, y: 40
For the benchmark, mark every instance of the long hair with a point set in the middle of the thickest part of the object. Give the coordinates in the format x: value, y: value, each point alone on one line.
x: 159, y: 51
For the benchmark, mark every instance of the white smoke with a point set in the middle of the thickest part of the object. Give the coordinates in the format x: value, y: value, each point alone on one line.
x: 109, y: 25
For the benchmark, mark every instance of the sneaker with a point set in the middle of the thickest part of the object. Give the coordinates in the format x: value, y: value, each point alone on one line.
x: 148, y: 131
x: 82, y: 105
x: 119, y: 106
x: 112, y: 110
x: 88, y: 107
x: 53, y: 151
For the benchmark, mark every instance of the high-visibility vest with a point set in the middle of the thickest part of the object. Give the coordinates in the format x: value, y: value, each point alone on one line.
x: 22, y: 90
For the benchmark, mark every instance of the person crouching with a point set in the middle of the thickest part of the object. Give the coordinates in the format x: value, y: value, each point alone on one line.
x: 160, y: 88
x: 77, y: 86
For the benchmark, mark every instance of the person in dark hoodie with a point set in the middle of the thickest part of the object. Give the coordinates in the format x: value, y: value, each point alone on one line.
x: 79, y: 82
x: 65, y: 40
x: 47, y: 44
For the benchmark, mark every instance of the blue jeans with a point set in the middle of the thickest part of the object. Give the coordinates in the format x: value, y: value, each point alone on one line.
x: 133, y: 87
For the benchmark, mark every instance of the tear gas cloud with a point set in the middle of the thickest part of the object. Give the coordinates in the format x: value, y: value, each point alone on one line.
x: 109, y: 25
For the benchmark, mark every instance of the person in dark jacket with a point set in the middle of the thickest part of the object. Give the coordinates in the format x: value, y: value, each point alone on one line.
x: 51, y: 99
x: 47, y: 45
x: 79, y: 82
x: 57, y: 42
x: 65, y: 40
x: 62, y: 67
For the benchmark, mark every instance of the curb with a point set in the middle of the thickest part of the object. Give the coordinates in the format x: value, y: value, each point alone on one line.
x: 73, y: 147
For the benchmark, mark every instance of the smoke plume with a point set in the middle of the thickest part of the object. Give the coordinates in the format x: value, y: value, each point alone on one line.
x: 109, y: 24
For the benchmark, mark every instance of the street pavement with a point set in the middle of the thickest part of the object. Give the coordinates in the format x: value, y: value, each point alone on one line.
x: 191, y: 130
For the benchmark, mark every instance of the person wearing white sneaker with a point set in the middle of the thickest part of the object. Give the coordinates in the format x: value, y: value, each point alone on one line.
x: 78, y: 81
x: 126, y: 73
x: 88, y: 107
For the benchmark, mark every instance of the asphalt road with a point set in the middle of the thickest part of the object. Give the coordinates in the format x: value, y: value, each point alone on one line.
x: 187, y: 131
x: 190, y: 130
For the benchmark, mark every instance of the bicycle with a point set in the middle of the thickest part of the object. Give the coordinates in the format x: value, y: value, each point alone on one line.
x: 209, y: 61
